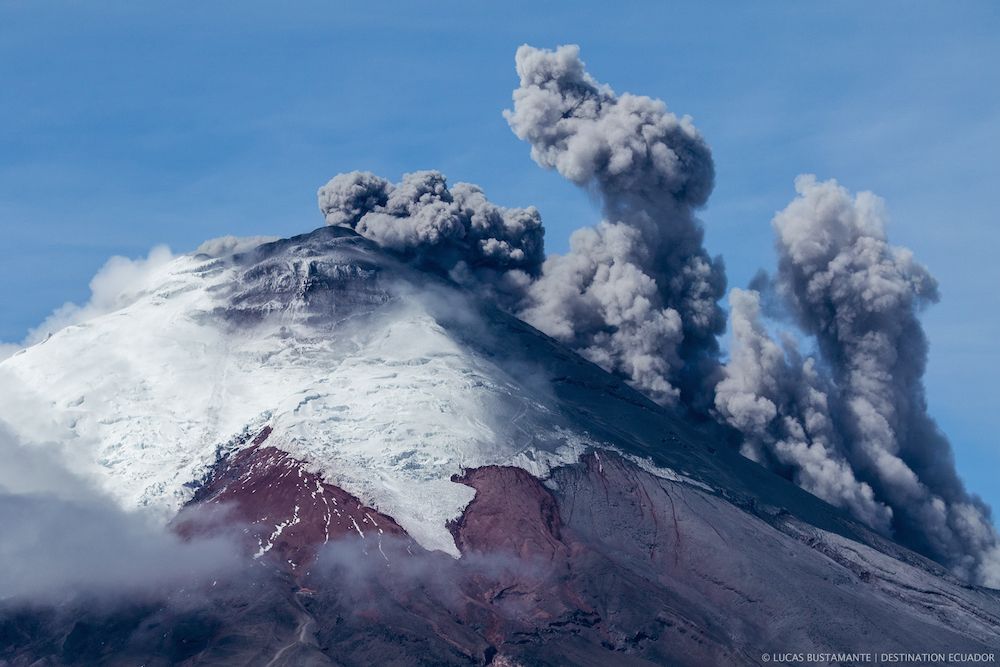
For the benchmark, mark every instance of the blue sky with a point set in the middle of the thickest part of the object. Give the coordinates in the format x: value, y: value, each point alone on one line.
x: 124, y: 125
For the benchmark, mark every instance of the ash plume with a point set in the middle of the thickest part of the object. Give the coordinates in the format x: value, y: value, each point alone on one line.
x: 637, y: 294
x: 782, y: 403
x: 456, y: 230
x: 860, y: 298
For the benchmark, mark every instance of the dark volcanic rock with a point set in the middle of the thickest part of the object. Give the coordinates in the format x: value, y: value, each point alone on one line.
x: 577, y: 600
x: 328, y: 273
x: 241, y: 622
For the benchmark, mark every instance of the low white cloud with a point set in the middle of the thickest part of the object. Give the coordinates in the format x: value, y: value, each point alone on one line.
x: 62, y: 537
x: 120, y: 282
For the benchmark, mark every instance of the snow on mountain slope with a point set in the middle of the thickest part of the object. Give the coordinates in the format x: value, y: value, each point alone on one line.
x: 337, y: 405
x: 354, y: 360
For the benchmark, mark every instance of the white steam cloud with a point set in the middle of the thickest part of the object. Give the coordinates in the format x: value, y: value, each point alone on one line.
x: 62, y: 537
x: 861, y: 438
x: 120, y: 282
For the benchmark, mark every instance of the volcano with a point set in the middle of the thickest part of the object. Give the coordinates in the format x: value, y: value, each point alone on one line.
x: 418, y: 477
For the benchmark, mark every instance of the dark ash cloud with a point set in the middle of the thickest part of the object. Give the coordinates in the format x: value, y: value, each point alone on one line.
x: 782, y: 404
x: 860, y: 298
x: 456, y: 230
x: 637, y: 294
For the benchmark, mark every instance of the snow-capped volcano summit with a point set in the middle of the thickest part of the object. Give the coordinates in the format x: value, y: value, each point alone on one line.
x: 360, y: 416
x: 381, y: 378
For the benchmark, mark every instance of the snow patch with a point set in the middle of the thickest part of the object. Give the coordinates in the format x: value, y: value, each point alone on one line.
x: 375, y: 395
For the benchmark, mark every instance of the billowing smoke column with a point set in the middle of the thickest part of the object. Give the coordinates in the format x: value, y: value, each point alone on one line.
x: 637, y: 294
x: 457, y: 230
x: 782, y: 404
x: 860, y: 298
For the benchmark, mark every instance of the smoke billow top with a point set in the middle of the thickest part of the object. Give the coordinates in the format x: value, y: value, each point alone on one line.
x: 456, y: 230
x: 638, y: 294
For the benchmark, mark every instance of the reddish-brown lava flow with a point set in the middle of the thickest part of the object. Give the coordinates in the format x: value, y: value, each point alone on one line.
x: 602, y: 564
x: 512, y: 513
x: 290, y: 512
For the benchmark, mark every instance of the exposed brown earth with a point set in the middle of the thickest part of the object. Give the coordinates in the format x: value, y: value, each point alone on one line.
x: 604, y: 563
x: 289, y: 511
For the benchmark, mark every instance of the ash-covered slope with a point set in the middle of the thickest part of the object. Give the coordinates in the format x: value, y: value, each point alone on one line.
x: 425, y: 479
